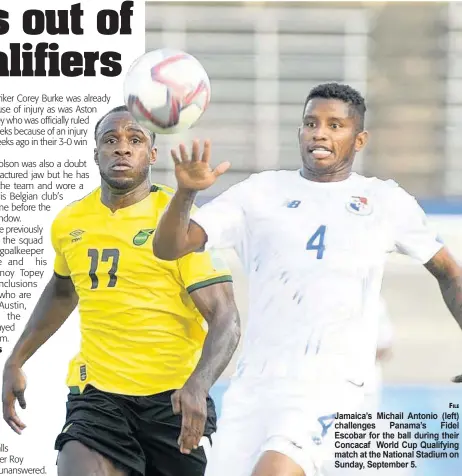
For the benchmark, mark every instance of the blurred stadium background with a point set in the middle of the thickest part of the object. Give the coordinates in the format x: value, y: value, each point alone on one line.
x: 406, y: 58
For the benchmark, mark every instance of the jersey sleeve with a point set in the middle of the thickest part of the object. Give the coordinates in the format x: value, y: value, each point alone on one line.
x: 223, y: 218
x: 413, y: 236
x: 199, y: 270
x: 61, y: 268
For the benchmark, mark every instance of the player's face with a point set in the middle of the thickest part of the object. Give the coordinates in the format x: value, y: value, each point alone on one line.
x: 329, y: 137
x: 123, y: 151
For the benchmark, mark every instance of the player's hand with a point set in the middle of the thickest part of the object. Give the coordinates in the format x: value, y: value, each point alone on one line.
x: 457, y: 379
x: 194, y: 173
x: 192, y: 404
x: 14, y: 386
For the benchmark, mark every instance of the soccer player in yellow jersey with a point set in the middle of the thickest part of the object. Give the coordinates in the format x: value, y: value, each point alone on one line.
x: 155, y: 334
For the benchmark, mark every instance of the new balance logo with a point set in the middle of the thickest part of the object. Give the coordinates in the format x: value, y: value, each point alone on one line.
x: 76, y: 235
x: 293, y: 204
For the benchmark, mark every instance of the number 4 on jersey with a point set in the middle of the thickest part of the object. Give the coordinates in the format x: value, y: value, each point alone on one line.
x: 316, y: 242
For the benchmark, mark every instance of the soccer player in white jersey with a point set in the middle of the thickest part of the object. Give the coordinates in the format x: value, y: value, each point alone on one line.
x: 313, y: 242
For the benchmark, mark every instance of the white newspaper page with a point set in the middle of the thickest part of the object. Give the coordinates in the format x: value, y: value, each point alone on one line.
x: 62, y: 66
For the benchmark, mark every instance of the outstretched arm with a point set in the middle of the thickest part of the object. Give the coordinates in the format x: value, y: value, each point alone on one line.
x: 216, y: 304
x: 449, y: 275
x: 55, y: 305
x: 176, y: 235
x: 415, y: 238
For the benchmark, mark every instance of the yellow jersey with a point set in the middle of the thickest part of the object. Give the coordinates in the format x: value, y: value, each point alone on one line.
x: 141, y: 333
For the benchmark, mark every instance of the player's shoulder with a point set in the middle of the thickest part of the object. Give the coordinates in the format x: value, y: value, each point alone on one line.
x: 163, y: 194
x: 274, y: 175
x: 270, y: 178
x: 163, y: 190
x: 75, y: 214
x: 78, y: 207
x: 390, y: 197
x: 386, y: 188
x: 376, y: 182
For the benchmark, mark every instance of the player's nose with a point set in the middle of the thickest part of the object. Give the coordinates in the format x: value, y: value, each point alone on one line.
x: 319, y: 133
x: 123, y: 149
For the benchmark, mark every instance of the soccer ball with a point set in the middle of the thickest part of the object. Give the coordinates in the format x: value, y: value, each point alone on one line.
x: 167, y: 91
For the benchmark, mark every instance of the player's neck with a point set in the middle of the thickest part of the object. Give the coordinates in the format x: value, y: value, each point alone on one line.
x: 116, y: 199
x: 316, y: 176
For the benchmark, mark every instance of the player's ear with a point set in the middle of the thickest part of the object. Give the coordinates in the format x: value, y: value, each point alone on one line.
x: 361, y: 140
x: 95, y: 155
x: 299, y: 133
x: 153, y: 156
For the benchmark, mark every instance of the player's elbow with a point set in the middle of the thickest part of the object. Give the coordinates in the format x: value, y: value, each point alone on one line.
x: 165, y: 251
x: 163, y: 254
x: 226, y: 323
x: 172, y: 249
x: 236, y: 332
x: 233, y: 327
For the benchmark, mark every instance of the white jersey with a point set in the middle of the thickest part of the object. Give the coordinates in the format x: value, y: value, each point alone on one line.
x: 315, y: 254
x: 385, y: 329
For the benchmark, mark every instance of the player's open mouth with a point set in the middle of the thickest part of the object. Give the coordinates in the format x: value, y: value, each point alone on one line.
x: 319, y: 152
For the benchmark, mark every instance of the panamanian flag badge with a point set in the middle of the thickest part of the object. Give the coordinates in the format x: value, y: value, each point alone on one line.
x: 359, y: 206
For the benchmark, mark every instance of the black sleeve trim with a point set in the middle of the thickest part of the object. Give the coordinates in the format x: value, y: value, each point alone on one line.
x: 209, y: 282
x: 60, y: 276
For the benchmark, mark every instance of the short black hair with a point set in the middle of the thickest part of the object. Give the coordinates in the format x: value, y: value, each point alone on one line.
x: 344, y: 93
x: 124, y: 108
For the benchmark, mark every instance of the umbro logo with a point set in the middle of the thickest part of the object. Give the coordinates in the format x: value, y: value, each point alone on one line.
x: 83, y: 373
x: 76, y: 235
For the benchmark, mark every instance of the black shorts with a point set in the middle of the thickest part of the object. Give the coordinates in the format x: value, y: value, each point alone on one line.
x: 139, y: 433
